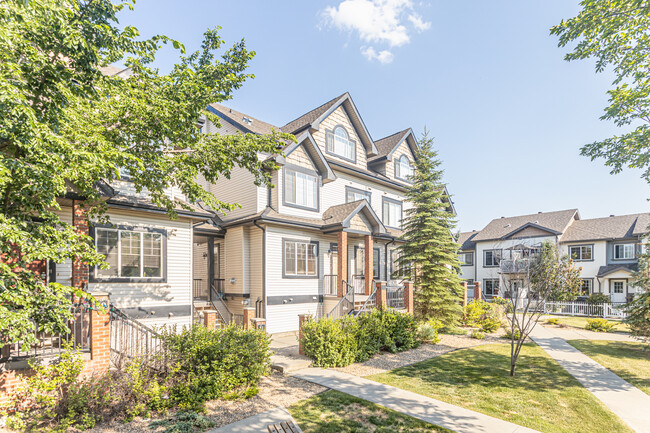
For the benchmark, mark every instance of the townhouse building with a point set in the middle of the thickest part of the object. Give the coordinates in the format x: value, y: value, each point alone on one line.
x: 606, y: 249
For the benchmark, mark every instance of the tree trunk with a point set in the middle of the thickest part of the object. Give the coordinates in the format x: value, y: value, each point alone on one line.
x: 512, y: 368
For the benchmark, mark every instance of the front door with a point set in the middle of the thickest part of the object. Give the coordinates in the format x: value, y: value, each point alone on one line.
x: 618, y: 290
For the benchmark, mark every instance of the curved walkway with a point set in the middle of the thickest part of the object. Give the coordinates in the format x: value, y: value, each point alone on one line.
x: 427, y: 409
x: 628, y: 402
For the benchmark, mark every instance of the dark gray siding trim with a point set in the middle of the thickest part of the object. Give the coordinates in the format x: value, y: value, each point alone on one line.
x: 297, y: 299
x: 159, y: 312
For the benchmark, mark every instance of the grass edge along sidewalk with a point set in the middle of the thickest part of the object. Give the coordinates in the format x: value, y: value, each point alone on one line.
x: 542, y: 396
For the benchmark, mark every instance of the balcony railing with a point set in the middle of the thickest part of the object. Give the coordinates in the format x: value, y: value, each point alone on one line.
x: 517, y: 266
x: 329, y: 285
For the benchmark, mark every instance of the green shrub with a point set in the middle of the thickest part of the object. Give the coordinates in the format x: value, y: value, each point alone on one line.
x: 598, y: 298
x: 508, y: 334
x: 212, y: 363
x: 337, y: 343
x: 331, y: 342
x: 553, y: 321
x: 490, y: 324
x: 477, y: 334
x: 452, y: 330
x: 184, y: 422
x: 599, y: 325
x: 428, y: 331
x: 484, y: 315
x: 505, y: 305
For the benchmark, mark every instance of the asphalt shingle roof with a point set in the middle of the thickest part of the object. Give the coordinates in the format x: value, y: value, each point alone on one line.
x: 256, y: 126
x: 337, y: 214
x: 606, y: 270
x: 387, y: 144
x: 306, y: 119
x: 613, y: 227
x: 466, y: 240
x: 500, y: 227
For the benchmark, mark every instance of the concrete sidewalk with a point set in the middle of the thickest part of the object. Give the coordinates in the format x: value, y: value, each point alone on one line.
x: 286, y: 358
x: 628, y: 402
x: 418, y: 406
x: 256, y: 423
x: 571, y: 333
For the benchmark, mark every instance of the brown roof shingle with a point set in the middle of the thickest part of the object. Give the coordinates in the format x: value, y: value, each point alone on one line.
x: 387, y: 144
x: 613, y: 227
x: 466, y: 240
x: 554, y: 221
x: 306, y: 119
x: 235, y: 117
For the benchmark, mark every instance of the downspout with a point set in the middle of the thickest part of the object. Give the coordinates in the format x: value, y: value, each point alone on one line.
x: 263, y: 267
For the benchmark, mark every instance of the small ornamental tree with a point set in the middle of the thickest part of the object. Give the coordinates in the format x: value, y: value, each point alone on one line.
x: 638, y: 317
x: 530, y: 282
x: 68, y: 128
x: 429, y: 255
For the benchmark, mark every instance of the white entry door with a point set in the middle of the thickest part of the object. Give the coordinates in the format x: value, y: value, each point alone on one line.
x: 618, y: 290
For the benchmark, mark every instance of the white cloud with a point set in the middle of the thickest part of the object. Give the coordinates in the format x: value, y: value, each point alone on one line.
x: 383, y: 56
x: 384, y: 22
x: 419, y: 24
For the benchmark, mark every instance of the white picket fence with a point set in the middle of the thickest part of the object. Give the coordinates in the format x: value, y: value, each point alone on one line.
x: 608, y: 310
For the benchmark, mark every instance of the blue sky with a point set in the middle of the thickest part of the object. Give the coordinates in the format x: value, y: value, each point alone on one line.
x: 508, y: 114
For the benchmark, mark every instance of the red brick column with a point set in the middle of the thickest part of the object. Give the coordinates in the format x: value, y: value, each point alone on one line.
x: 342, y: 264
x: 302, y: 318
x: 368, y: 261
x: 477, y: 290
x: 249, y: 314
x: 100, y: 343
x: 464, y: 289
x: 381, y: 300
x: 80, y: 222
x: 210, y: 319
x: 408, y: 296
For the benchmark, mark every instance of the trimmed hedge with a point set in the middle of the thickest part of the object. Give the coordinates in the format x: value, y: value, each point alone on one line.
x: 340, y: 342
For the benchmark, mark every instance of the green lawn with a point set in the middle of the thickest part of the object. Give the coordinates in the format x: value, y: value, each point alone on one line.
x: 628, y: 360
x: 542, y: 395
x: 336, y: 412
x: 581, y: 322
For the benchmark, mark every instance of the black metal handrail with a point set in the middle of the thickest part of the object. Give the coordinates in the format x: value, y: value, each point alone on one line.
x: 345, y: 305
x: 131, y: 339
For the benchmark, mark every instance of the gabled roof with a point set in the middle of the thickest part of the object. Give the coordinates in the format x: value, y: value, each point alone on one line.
x: 535, y: 226
x: 313, y: 119
x: 313, y: 151
x: 241, y: 120
x: 610, y: 269
x: 387, y: 145
x: 554, y: 222
x: 341, y: 215
x: 613, y: 227
x: 466, y: 240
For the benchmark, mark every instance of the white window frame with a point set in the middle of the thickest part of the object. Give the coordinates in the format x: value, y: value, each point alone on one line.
x: 97, y: 276
x: 356, y: 194
x: 338, y: 143
x: 403, y: 168
x: 303, y: 177
x: 308, y: 246
x: 386, y: 216
x: 493, y: 251
x: 625, y: 248
x: 493, y: 281
x: 581, y: 251
x: 464, y: 261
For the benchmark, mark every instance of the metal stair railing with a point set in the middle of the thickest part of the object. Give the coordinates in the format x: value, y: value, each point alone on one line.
x: 219, y: 304
x: 370, y: 302
x: 131, y: 339
x: 345, y: 305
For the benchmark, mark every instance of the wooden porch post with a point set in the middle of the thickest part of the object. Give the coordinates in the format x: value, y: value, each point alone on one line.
x: 368, y: 273
x: 342, y: 265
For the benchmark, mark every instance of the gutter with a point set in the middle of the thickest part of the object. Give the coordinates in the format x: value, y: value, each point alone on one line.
x: 255, y: 223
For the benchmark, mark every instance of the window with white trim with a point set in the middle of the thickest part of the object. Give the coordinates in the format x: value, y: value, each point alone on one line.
x: 300, y: 189
x: 300, y: 259
x: 353, y: 194
x: 624, y: 251
x: 581, y: 252
x: 129, y: 253
x: 338, y: 143
x: 403, y: 168
x: 392, y: 213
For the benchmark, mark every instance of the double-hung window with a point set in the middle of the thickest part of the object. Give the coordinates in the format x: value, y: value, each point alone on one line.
x: 624, y: 251
x: 586, y: 287
x: 403, y: 168
x: 300, y: 259
x: 353, y: 194
x: 300, y: 189
x: 338, y: 143
x: 581, y: 252
x: 392, y: 213
x: 491, y: 257
x: 131, y: 254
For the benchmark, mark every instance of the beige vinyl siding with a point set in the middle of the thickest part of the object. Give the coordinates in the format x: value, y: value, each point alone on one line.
x: 178, y: 288
x: 240, y: 189
x: 300, y: 158
x: 340, y: 117
x: 234, y: 260
x: 255, y: 268
x: 529, y: 232
x: 402, y: 149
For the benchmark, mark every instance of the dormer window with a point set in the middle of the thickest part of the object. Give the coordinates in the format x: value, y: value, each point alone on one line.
x: 403, y: 168
x: 338, y: 143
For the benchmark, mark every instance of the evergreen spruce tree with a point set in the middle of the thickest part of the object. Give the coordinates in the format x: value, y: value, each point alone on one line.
x: 639, y: 310
x: 429, y: 257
